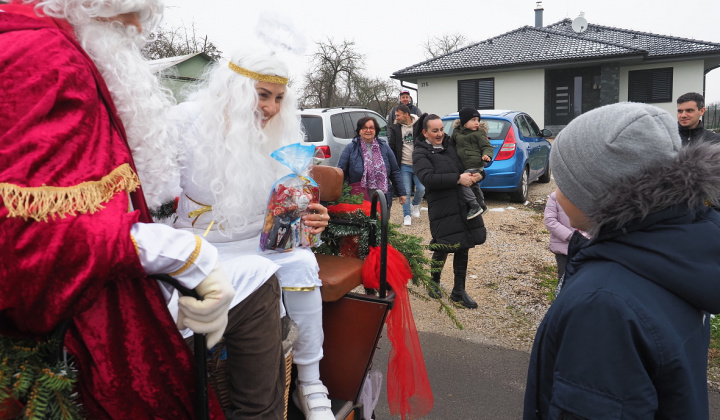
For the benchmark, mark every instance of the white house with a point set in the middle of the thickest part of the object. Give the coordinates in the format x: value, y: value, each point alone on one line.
x: 555, y: 73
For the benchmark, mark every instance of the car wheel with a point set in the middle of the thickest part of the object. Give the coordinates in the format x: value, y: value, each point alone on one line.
x: 545, y: 177
x: 521, y: 194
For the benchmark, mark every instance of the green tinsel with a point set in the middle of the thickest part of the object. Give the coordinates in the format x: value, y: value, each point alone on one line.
x: 46, y: 389
x: 165, y: 211
x: 408, y: 245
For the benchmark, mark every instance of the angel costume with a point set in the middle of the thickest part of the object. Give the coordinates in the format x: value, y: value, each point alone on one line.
x: 248, y: 268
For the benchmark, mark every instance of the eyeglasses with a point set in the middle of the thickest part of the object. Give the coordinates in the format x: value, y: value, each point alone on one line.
x: 367, y: 129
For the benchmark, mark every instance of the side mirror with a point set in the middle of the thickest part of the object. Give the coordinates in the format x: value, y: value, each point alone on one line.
x: 546, y: 133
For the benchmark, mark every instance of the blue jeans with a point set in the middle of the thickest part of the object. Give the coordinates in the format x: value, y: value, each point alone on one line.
x: 408, y: 178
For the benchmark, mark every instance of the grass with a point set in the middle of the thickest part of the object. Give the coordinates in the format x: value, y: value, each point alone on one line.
x: 714, y: 351
x: 714, y: 357
x: 547, y: 281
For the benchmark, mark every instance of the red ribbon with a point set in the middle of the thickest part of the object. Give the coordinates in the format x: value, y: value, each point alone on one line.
x: 409, y: 392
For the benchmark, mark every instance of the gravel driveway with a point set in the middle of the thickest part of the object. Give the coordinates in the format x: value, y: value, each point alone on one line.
x: 503, y: 274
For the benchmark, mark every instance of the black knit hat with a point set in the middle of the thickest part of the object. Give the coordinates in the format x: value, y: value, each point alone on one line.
x: 466, y: 114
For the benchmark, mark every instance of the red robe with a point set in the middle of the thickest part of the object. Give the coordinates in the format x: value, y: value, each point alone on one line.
x: 67, y: 252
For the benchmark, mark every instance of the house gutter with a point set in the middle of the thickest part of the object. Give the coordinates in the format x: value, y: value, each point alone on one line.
x: 402, y: 83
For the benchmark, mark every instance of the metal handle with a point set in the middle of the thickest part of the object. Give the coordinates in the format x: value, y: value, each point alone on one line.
x: 378, y: 195
x: 201, y: 403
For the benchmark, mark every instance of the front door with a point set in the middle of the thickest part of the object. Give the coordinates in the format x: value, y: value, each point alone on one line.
x: 573, y: 92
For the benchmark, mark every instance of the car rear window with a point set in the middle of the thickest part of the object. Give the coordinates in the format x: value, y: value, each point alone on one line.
x: 497, y: 129
x: 313, y: 127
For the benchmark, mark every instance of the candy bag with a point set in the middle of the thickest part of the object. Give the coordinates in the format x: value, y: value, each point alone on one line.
x: 289, y: 199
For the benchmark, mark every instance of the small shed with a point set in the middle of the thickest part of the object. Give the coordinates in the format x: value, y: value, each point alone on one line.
x: 177, y: 72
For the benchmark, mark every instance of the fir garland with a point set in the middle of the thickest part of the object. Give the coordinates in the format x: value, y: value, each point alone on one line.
x: 31, y: 386
x: 409, y: 245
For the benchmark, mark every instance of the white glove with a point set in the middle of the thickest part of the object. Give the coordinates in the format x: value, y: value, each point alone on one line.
x: 210, y: 315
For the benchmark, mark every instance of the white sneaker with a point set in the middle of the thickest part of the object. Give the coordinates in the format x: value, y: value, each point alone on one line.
x: 407, y: 221
x: 415, y: 210
x: 313, y: 401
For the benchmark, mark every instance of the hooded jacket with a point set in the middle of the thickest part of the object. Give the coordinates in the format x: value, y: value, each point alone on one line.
x: 697, y: 135
x: 439, y: 170
x: 628, y: 335
x: 472, y: 145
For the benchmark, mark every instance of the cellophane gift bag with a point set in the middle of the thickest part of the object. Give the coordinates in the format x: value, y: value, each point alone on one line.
x: 289, y: 199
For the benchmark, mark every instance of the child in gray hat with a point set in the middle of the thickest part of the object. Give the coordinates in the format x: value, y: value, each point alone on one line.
x: 627, y: 336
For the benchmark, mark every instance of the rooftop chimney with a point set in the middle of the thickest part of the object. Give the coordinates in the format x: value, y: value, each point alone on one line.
x: 538, y: 15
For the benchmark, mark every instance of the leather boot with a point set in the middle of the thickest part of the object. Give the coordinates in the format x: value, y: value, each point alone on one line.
x: 433, y: 288
x: 458, y: 294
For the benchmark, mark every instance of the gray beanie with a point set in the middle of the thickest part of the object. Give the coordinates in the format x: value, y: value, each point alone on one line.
x: 598, y: 150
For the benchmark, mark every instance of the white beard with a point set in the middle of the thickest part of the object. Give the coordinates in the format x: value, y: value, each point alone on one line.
x: 141, y: 104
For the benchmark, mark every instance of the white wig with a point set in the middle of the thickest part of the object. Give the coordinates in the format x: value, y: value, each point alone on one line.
x: 232, y: 154
x: 140, y: 100
x: 79, y: 12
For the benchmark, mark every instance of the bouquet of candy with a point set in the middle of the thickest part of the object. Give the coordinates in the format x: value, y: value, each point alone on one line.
x: 289, y: 200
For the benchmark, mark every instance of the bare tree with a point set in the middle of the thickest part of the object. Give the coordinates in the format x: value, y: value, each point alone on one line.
x: 331, y: 78
x: 377, y: 94
x: 440, y: 45
x: 172, y: 42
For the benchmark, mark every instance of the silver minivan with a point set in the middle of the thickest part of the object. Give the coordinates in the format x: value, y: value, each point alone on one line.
x: 331, y: 129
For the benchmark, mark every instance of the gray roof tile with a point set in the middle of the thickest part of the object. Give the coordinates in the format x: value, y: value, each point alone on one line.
x: 557, y: 43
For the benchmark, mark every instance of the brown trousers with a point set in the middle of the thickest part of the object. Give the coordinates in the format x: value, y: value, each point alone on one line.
x: 253, y: 340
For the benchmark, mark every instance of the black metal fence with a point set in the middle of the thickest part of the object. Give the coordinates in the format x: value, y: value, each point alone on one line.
x: 711, y: 120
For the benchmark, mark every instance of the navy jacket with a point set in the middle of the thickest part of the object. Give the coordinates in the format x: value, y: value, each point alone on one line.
x: 627, y: 336
x: 352, y: 164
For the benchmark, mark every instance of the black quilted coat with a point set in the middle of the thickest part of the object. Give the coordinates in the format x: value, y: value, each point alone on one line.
x: 439, y: 171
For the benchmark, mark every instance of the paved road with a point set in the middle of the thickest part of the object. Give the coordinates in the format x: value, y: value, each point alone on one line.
x: 475, y: 381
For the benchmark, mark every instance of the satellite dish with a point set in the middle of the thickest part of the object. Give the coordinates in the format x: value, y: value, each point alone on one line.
x: 580, y: 24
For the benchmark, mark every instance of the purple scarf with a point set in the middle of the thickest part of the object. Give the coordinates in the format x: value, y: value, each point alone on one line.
x: 374, y: 171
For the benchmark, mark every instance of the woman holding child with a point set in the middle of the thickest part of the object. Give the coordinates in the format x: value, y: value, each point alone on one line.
x: 436, y: 163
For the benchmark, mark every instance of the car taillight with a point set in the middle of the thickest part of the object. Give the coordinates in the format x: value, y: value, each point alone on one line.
x: 322, y: 152
x: 507, y: 150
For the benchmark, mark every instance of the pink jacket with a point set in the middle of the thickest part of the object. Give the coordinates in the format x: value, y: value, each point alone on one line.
x: 558, y: 224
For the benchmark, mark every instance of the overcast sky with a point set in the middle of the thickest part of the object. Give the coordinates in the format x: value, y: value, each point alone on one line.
x: 392, y: 39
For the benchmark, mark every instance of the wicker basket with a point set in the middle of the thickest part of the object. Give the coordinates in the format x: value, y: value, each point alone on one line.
x: 217, y: 367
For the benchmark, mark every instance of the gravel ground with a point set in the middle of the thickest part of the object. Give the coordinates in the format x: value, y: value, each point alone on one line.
x: 503, y: 273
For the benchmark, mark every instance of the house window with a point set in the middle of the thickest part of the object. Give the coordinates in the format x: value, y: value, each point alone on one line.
x: 650, y: 86
x: 476, y: 93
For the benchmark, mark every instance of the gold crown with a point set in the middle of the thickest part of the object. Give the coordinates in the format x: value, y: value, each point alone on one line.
x: 257, y: 76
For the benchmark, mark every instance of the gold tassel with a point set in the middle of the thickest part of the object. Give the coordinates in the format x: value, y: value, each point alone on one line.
x: 39, y: 203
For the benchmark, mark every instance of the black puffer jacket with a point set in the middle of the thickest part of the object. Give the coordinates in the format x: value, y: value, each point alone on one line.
x: 439, y: 171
